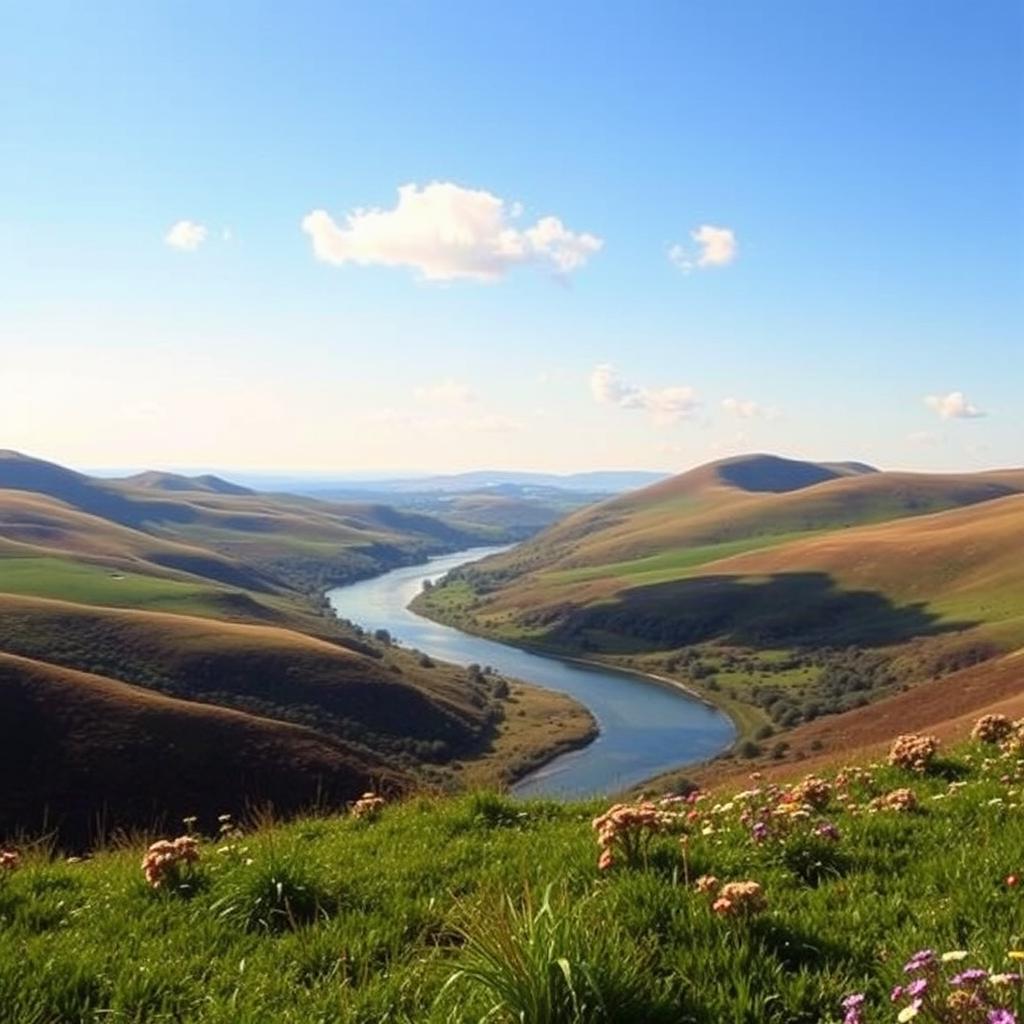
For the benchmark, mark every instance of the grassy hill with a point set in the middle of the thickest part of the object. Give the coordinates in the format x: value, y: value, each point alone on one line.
x: 481, y: 908
x: 798, y: 589
x: 162, y: 590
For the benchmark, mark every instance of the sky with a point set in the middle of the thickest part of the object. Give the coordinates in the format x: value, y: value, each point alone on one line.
x: 413, y: 237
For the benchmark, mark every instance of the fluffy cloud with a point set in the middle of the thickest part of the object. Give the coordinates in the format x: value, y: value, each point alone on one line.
x: 186, y: 235
x: 953, y: 406
x: 715, y: 247
x: 447, y: 392
x: 446, y: 233
x: 665, y: 405
x: 745, y: 409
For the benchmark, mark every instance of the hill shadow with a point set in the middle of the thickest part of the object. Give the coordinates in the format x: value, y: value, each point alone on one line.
x: 784, y: 609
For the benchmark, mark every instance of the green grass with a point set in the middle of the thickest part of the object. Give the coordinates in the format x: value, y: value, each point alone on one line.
x: 482, y: 908
x: 85, y: 583
x: 673, y: 564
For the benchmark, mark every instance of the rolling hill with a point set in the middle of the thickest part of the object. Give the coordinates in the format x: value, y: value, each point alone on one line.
x: 173, y: 604
x: 795, y: 588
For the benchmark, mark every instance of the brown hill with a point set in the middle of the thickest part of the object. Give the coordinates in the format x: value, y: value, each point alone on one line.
x: 80, y: 752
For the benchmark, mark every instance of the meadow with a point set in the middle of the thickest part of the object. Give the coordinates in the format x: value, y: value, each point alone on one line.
x: 480, y: 907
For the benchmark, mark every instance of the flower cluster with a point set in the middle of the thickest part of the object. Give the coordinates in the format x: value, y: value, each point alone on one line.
x: 895, y: 800
x: 734, y: 899
x: 992, y: 729
x: 939, y: 989
x: 913, y: 752
x: 625, y: 831
x: 167, y: 860
x: 368, y: 807
x: 9, y: 860
x: 813, y: 792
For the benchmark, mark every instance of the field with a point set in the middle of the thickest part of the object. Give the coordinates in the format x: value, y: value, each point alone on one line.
x: 479, y: 907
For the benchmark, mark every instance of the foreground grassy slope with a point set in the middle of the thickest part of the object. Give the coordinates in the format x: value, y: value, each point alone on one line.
x: 482, y: 908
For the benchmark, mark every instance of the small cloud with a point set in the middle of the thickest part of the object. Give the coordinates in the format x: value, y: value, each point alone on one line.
x: 446, y: 392
x: 953, y: 406
x: 448, y: 233
x: 715, y: 247
x: 186, y: 235
x: 665, y: 405
x: 745, y: 409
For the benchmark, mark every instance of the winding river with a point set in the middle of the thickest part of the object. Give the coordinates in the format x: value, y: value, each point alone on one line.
x: 645, y: 727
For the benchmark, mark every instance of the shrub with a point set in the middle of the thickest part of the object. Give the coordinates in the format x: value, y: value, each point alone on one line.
x: 913, y: 752
x: 992, y: 729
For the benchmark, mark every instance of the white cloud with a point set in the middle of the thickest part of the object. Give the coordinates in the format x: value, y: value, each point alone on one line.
x: 716, y: 247
x: 186, y: 235
x: 447, y: 232
x: 746, y: 409
x: 665, y: 405
x: 953, y: 406
x: 446, y: 392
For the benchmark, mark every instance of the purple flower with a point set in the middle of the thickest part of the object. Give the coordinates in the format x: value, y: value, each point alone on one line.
x: 917, y: 987
x: 972, y: 976
x: 827, y: 831
x: 853, y: 1004
x: 896, y: 993
x: 759, y: 831
x: 921, y: 960
x: 999, y: 1016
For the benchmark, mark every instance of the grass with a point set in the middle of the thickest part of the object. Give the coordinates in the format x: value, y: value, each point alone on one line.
x: 85, y: 583
x: 483, y: 908
x: 669, y: 565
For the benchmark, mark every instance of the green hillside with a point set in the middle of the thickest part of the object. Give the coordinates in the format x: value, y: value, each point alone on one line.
x: 481, y: 908
x: 798, y: 589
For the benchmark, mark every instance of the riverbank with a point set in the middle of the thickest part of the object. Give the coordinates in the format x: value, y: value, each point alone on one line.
x: 746, y: 720
x: 643, y: 726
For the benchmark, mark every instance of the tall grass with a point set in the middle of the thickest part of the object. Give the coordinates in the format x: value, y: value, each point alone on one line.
x: 481, y: 908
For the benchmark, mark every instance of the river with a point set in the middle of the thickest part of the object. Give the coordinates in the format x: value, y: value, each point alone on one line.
x: 646, y: 727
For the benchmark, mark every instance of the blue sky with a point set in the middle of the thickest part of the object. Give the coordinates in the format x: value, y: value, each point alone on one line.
x: 793, y: 227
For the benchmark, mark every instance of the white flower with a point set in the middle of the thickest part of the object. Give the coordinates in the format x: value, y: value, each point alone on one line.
x: 954, y: 954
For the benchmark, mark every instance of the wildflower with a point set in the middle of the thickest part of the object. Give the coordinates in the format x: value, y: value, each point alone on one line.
x: 9, y: 860
x: 368, y: 807
x: 904, y: 800
x: 813, y: 791
x: 972, y: 976
x: 1004, y: 979
x: 1001, y: 1016
x: 913, y: 752
x: 737, y: 899
x: 909, y: 1012
x: 921, y: 960
x: 626, y: 830
x: 992, y: 729
x: 166, y: 859
x: 826, y: 830
x: 853, y: 1005
x: 759, y: 832
x: 1012, y: 881
x: 1015, y: 954
x: 706, y: 884
x: 954, y: 955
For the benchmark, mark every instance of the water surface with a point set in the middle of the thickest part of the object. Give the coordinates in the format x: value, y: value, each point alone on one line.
x: 646, y: 727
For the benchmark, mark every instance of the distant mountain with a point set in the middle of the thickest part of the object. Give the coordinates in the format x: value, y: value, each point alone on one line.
x: 176, y: 482
x: 596, y: 482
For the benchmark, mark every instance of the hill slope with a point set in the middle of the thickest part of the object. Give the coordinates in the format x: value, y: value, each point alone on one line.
x: 762, y: 584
